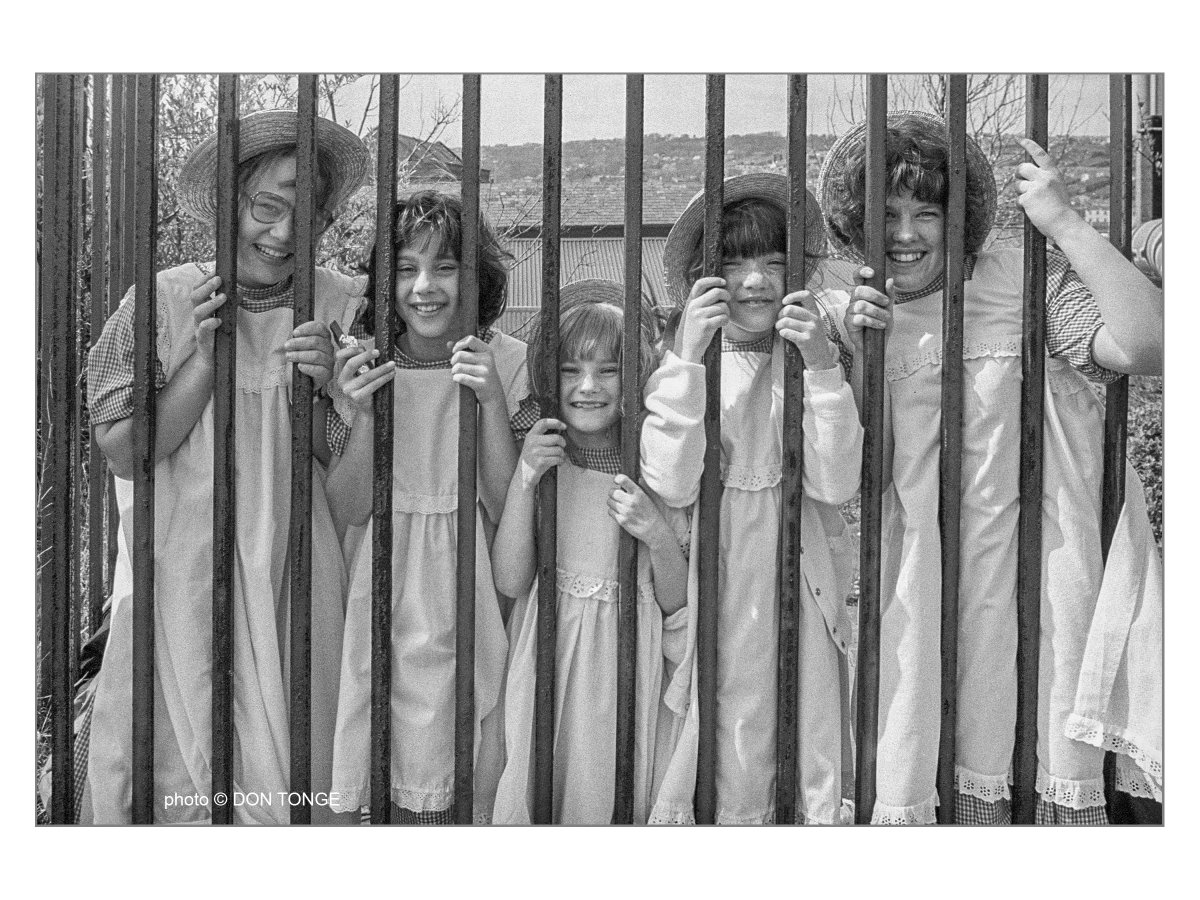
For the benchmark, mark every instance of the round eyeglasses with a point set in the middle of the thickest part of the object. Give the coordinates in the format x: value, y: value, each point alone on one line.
x: 269, y: 209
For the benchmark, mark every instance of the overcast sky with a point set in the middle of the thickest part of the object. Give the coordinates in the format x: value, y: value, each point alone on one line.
x: 594, y: 105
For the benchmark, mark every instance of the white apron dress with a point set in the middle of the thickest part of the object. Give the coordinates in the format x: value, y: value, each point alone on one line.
x: 585, y: 684
x: 424, y: 534
x: 747, y: 616
x: 1069, y: 771
x: 183, y: 588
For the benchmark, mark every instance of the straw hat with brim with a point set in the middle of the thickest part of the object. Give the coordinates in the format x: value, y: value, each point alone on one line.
x: 834, y: 190
x: 686, y: 234
x: 272, y: 130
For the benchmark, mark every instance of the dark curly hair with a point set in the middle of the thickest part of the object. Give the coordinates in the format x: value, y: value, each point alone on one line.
x: 441, y: 216
x: 917, y: 163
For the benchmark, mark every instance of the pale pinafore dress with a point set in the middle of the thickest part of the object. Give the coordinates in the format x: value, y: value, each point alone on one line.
x: 424, y: 590
x: 747, y: 613
x: 585, y: 684
x: 1069, y: 778
x: 183, y: 588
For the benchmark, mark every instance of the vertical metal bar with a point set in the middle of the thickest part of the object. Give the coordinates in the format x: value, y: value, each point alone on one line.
x: 129, y: 251
x: 116, y: 281
x: 59, y: 304
x: 468, y: 457
x: 79, y: 209
x: 48, y: 261
x: 1029, y: 523
x: 144, y: 415
x: 631, y: 402
x: 97, y: 468
x: 381, y: 548
x: 791, y: 577
x: 867, y: 713
x: 1116, y: 398
x: 710, y: 480
x: 950, y: 494
x: 224, y: 522
x: 547, y: 641
x: 300, y: 527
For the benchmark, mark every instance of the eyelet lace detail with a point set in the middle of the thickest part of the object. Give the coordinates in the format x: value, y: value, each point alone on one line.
x: 986, y: 787
x: 911, y: 363
x: 746, y: 478
x: 1137, y: 784
x: 672, y: 814
x: 1091, y: 732
x: 591, y: 587
x: 425, y: 505
x: 1068, y: 793
x: 923, y: 813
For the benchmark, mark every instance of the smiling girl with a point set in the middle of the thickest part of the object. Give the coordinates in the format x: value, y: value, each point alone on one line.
x: 748, y: 302
x: 432, y: 358
x: 269, y: 344
x: 595, y: 502
x: 1103, y: 318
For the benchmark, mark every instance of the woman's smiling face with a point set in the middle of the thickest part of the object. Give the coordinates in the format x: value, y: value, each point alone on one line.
x: 913, y: 234
x: 267, y: 253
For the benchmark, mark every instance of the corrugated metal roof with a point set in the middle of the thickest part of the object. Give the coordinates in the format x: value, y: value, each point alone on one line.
x: 580, y: 258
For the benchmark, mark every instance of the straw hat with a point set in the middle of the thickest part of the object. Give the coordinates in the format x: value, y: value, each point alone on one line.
x: 835, y: 192
x: 686, y: 234
x: 271, y: 130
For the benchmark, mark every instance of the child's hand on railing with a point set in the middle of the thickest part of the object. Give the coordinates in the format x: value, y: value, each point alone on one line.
x: 359, y: 386
x: 205, y: 303
x: 868, y: 308
x: 1043, y: 195
x: 632, y: 509
x: 544, y: 448
x: 309, y: 348
x: 473, y: 365
x: 800, y: 323
x: 707, y: 310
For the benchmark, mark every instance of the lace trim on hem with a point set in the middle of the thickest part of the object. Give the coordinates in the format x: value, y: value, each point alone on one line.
x: 910, y: 364
x: 1137, y: 784
x: 415, y: 800
x: 1091, y: 732
x: 425, y: 504
x: 765, y: 818
x: 590, y: 587
x: 989, y: 788
x: 746, y: 478
x: 923, y: 813
x: 672, y: 814
x: 1073, y: 794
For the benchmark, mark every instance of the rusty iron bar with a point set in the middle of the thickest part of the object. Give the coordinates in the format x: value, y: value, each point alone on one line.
x: 116, y: 280
x: 1116, y: 397
x: 98, y: 295
x: 381, y: 558
x: 631, y: 400
x: 381, y: 540
x: 79, y: 520
x: 48, y: 260
x: 1029, y: 520
x: 300, y: 527
x: 129, y: 232
x: 791, y: 575
x: 547, y: 502
x: 60, y: 137
x: 224, y: 523
x: 950, y: 465
x: 145, y: 359
x: 468, y: 459
x: 710, y: 480
x: 867, y: 712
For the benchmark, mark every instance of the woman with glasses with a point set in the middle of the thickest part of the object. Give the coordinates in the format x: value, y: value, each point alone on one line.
x: 268, y: 345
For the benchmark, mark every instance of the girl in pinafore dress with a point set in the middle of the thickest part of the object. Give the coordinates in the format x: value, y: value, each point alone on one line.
x: 268, y: 345
x: 748, y: 302
x: 1103, y: 318
x: 595, y: 502
x: 430, y: 363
